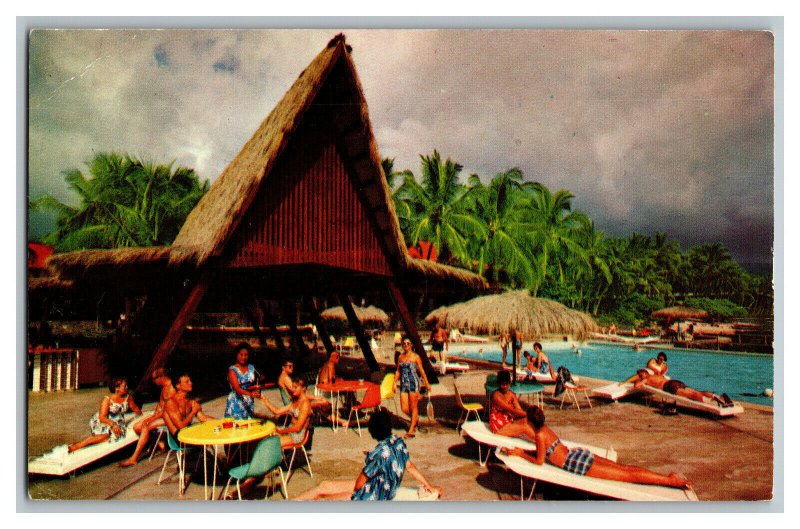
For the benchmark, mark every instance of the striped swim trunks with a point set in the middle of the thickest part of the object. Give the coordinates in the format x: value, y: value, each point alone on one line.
x: 578, y: 461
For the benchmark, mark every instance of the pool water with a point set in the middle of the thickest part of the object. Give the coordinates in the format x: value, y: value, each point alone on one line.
x: 742, y: 376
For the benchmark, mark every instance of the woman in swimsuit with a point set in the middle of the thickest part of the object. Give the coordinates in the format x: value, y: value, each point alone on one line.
x: 300, y: 410
x: 109, y: 422
x: 550, y: 449
x: 541, y: 361
x: 658, y: 365
x: 504, y: 345
x: 410, y: 375
x: 506, y: 416
x: 516, y: 346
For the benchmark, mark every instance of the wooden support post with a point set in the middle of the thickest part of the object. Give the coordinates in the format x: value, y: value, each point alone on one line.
x: 411, y: 329
x: 291, y: 315
x: 273, y: 328
x: 177, y: 327
x: 312, y: 306
x: 358, y: 329
x: 250, y: 313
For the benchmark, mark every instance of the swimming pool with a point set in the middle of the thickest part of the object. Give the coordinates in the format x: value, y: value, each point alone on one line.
x: 742, y: 376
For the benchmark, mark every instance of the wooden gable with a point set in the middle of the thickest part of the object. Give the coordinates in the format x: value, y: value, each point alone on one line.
x: 309, y: 212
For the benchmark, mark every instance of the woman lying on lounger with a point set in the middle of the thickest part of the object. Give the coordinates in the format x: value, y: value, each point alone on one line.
x: 383, y: 469
x: 506, y: 416
x: 581, y: 461
x: 109, y: 422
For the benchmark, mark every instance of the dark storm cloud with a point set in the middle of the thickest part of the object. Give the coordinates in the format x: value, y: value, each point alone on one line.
x: 652, y: 131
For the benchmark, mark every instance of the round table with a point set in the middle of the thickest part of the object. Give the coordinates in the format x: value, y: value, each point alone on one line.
x: 212, y: 433
x: 520, y: 388
x: 336, y: 389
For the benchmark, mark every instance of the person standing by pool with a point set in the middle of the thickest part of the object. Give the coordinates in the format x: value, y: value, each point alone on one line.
x: 241, y: 376
x: 542, y: 362
x: 384, y: 467
x: 439, y: 344
x: 506, y: 416
x: 550, y: 449
x: 504, y: 345
x: 410, y: 374
x: 516, y: 347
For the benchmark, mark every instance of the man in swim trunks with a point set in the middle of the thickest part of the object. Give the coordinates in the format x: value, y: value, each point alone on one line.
x: 439, y: 344
x: 676, y: 387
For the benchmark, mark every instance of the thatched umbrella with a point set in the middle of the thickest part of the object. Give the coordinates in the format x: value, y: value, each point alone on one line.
x: 533, y: 317
x: 680, y: 313
x: 364, y: 314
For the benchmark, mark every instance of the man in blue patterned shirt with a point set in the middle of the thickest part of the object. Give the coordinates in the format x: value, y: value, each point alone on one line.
x: 383, y: 469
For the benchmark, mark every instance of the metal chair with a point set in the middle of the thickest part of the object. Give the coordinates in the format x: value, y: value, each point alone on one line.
x: 294, y: 448
x: 570, y: 391
x: 180, y: 456
x: 466, y: 408
x: 266, y: 460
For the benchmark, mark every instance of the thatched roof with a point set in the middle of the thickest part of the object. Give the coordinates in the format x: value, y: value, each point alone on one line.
x: 77, y: 263
x: 49, y: 284
x: 680, y: 312
x: 213, y: 221
x: 370, y: 313
x: 534, y: 317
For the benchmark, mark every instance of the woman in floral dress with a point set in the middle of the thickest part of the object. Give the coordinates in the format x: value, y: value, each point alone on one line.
x: 242, y: 378
x: 109, y: 422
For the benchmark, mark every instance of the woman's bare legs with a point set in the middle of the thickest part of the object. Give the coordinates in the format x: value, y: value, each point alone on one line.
x: 409, y: 403
x: 93, y: 440
x: 331, y: 490
x: 519, y: 428
x: 144, y: 436
x: 606, y: 469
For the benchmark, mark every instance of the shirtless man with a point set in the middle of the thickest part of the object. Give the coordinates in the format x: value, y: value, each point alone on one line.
x: 676, y: 387
x: 439, y: 344
x: 143, y: 428
x: 327, y: 373
x: 179, y: 411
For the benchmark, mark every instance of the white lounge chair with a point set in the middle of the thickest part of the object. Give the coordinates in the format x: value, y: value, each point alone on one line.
x: 687, y: 403
x: 454, y: 366
x: 616, y: 391
x: 410, y: 494
x: 541, y: 378
x: 478, y: 431
x: 59, y: 462
x: 604, y: 487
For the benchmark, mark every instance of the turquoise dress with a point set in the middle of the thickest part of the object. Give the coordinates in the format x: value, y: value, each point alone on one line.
x: 384, y: 467
x: 240, y: 406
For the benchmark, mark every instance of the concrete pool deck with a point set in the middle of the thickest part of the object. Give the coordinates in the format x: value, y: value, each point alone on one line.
x: 727, y: 460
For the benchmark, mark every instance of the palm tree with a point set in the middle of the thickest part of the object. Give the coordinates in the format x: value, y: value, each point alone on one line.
x: 124, y: 202
x: 500, y: 207
x: 437, y: 209
x: 554, y: 233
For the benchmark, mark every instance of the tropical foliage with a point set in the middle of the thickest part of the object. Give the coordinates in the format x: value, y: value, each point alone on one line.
x: 122, y: 202
x: 522, y: 234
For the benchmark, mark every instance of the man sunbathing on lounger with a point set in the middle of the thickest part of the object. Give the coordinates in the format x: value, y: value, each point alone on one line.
x: 676, y: 387
x: 179, y: 411
x: 160, y: 378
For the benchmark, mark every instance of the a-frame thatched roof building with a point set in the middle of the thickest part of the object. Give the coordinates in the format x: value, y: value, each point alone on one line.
x: 303, y: 210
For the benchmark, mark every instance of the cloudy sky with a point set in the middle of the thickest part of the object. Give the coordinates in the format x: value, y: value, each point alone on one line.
x: 650, y: 130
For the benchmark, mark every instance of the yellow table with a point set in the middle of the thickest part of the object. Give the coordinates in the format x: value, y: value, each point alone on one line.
x: 212, y: 433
